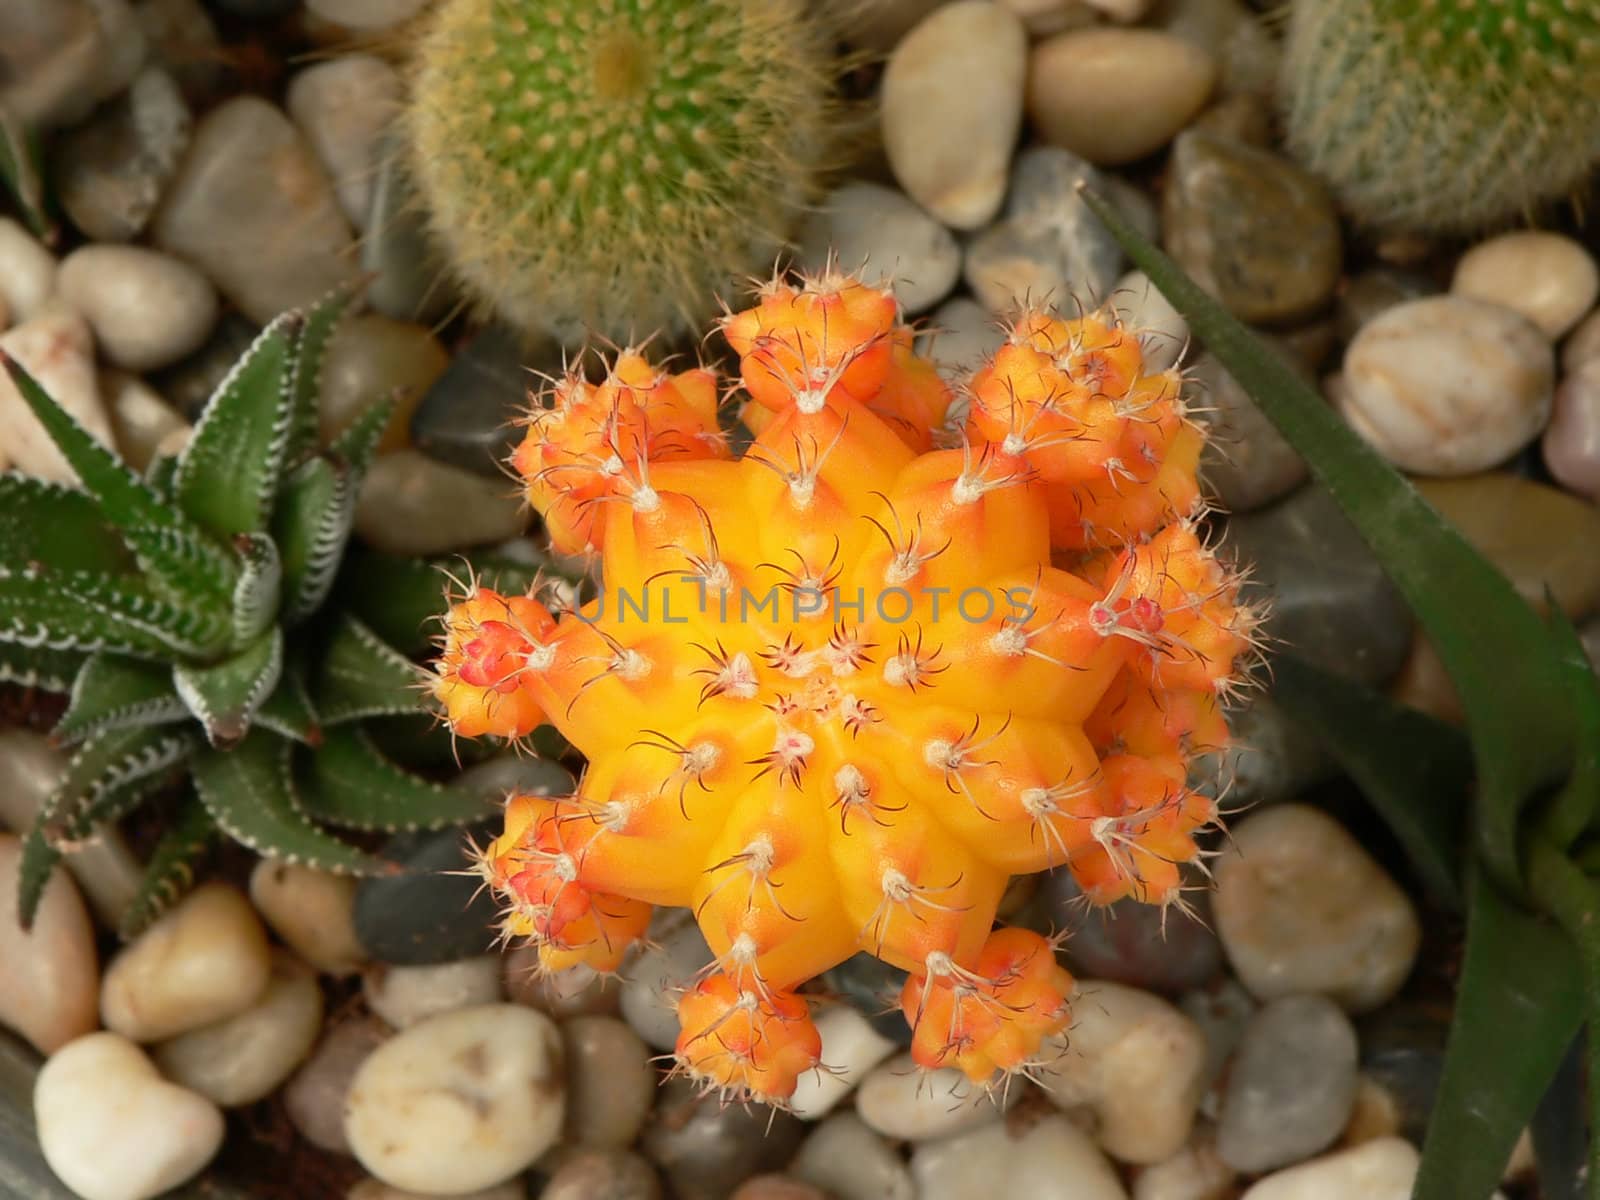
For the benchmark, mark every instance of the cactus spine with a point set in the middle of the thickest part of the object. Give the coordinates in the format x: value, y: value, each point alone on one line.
x: 609, y: 165
x: 1444, y: 115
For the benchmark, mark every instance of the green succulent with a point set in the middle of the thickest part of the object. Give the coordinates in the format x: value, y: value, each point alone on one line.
x: 206, y: 618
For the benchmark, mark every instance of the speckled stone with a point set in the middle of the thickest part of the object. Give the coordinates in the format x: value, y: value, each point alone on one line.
x: 706, y: 1149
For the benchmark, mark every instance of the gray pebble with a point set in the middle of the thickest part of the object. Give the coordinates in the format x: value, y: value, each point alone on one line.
x: 1363, y: 296
x: 611, y: 1082
x: 706, y: 1148
x: 314, y: 1095
x: 603, y: 1175
x: 111, y: 172
x: 1246, y: 462
x: 468, y: 417
x: 408, y: 281
x: 1291, y: 1085
x: 867, y: 227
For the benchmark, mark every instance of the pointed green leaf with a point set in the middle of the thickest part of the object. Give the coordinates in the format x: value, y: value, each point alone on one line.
x: 172, y: 866
x: 115, y: 801
x: 1493, y: 644
x: 257, y: 594
x: 162, y: 474
x: 102, y: 766
x: 36, y: 614
x: 228, y: 472
x: 351, y: 786
x: 321, y: 322
x: 288, y: 711
x: 1577, y: 804
x: 1560, y: 1147
x: 421, y: 742
x: 21, y: 173
x: 250, y: 794
x: 1519, y: 1000
x: 125, y: 500
x: 360, y: 676
x: 1415, y: 770
x: 118, y: 693
x: 58, y: 526
x: 316, y: 510
x: 128, y: 600
x: 357, y: 443
x: 187, y: 565
x: 224, y: 698
x: 48, y: 670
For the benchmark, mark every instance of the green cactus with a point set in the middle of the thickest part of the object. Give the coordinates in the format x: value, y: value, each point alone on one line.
x: 1444, y: 115
x: 206, y: 618
x: 605, y: 165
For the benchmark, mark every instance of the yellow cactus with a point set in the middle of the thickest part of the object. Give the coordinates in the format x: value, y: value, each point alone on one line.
x: 834, y: 693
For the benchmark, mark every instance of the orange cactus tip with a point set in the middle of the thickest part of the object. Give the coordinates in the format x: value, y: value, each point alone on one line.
x: 600, y: 939
x: 587, y: 443
x: 798, y: 345
x: 481, y: 678
x: 746, y: 1043
x: 989, y: 1018
x: 1144, y: 833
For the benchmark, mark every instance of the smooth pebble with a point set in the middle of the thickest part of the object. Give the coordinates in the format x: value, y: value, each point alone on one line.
x: 1290, y: 1087
x: 1221, y: 1011
x: 142, y: 422
x: 253, y: 209
x: 1163, y: 333
x: 950, y: 147
x: 410, y: 504
x: 706, y: 1148
x: 49, y: 989
x: 343, y: 106
x: 403, y: 996
x: 314, y: 1097
x: 1135, y: 1062
x: 1044, y: 18
x: 372, y: 357
x: 611, y: 1082
x: 777, y: 1187
x: 850, y: 1048
x: 366, y: 15
x: 1246, y: 463
x: 57, y: 349
x: 866, y: 227
x: 962, y: 335
x: 27, y: 271
x: 311, y: 911
x: 848, y: 1159
x: 1447, y: 385
x: 1116, y: 95
x: 462, y: 1100
x: 577, y: 991
x: 1582, y: 344
x: 376, y: 1189
x: 655, y: 978
x: 113, y: 1129
x: 1571, y: 442
x: 202, y: 961
x: 603, y: 1175
x: 902, y: 1100
x: 1047, y: 1158
x: 1383, y: 1169
x: 1193, y: 1173
x: 1302, y: 907
x: 242, y: 1058
x: 1548, y: 278
x: 147, y: 309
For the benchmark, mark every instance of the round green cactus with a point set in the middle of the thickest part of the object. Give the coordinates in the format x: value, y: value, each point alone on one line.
x: 1444, y: 115
x: 605, y: 165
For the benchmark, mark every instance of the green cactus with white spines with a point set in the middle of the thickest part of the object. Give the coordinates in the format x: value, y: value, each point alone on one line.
x: 1444, y: 115
x: 604, y: 165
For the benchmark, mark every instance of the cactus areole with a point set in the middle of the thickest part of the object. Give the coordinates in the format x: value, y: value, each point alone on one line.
x: 834, y: 692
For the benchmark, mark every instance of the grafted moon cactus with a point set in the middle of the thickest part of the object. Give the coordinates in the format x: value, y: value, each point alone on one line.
x: 836, y: 691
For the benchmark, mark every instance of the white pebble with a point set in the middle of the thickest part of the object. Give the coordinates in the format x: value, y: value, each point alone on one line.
x: 902, y: 1100
x: 950, y: 146
x: 875, y: 229
x: 1301, y: 907
x: 27, y: 271
x: 56, y: 348
x: 1116, y: 95
x: 962, y: 335
x: 1162, y: 331
x: 51, y: 979
x: 1050, y: 1159
x: 343, y: 106
x: 205, y: 960
x: 1571, y: 442
x: 403, y: 996
x: 1447, y: 385
x: 1550, y: 279
x: 658, y: 976
x: 850, y: 1161
x: 459, y: 1101
x: 1582, y: 344
x: 1046, y: 17
x: 1135, y: 1062
x: 1193, y: 1173
x: 311, y: 911
x: 112, y: 1129
x: 376, y: 1189
x: 242, y: 1058
x: 140, y: 418
x: 1383, y: 1169
x: 850, y: 1048
x: 147, y: 309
